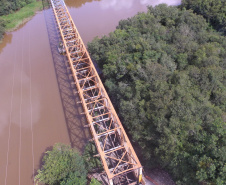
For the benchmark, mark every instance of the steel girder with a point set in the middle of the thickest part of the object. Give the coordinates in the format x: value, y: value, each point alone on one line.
x: 115, y: 150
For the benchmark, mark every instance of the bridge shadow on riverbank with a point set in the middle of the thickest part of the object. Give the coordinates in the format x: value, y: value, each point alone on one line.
x: 78, y: 134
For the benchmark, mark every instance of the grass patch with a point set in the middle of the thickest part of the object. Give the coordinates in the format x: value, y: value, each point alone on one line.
x: 15, y: 19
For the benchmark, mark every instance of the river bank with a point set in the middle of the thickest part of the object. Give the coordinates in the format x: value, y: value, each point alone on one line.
x: 14, y: 20
x: 31, y: 113
x: 31, y: 103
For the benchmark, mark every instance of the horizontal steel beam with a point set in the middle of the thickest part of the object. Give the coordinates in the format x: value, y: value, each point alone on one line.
x: 79, y: 58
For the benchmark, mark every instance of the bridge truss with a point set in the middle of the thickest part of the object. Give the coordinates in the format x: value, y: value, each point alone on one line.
x: 118, y: 157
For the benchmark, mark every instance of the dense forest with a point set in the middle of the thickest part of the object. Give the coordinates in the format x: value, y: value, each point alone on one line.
x: 213, y: 10
x: 165, y: 73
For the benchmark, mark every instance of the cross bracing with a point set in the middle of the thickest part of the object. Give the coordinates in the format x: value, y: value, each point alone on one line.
x: 113, y: 145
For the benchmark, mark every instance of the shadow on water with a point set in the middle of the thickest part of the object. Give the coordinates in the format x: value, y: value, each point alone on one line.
x: 75, y: 121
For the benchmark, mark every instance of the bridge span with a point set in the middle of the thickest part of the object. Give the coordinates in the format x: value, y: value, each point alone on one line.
x: 118, y: 157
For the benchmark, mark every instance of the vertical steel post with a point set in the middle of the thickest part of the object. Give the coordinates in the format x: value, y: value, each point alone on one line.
x: 113, y: 145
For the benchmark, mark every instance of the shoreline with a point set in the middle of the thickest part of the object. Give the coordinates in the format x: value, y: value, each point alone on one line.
x: 21, y: 22
x: 14, y: 20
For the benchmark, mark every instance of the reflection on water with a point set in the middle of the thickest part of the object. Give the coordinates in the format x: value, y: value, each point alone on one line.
x: 98, y: 18
x: 50, y: 122
x: 8, y: 36
x: 156, y: 2
x: 6, y: 88
x: 31, y: 114
x: 7, y: 40
x: 120, y: 4
x: 127, y: 4
x: 78, y: 3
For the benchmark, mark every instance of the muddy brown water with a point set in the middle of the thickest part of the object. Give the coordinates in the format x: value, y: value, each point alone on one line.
x: 37, y: 105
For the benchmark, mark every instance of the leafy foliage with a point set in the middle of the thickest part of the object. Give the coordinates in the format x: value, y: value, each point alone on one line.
x: 18, y: 17
x: 12, y: 20
x: 62, y: 165
x: 9, y: 6
x: 94, y: 182
x: 165, y: 73
x: 2, y: 28
x: 213, y: 10
x: 91, y: 162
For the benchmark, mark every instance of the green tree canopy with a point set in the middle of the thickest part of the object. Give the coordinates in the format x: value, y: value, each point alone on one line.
x: 9, y: 6
x: 165, y: 73
x: 94, y: 182
x: 92, y: 163
x: 62, y: 165
x: 2, y: 28
x: 213, y: 10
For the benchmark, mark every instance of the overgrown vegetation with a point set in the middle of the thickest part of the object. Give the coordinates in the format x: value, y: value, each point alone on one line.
x: 165, y: 73
x: 14, y: 19
x: 2, y: 28
x: 95, y: 182
x: 92, y: 163
x: 213, y: 10
x: 10, y: 6
x: 63, y: 165
x: 13, y: 13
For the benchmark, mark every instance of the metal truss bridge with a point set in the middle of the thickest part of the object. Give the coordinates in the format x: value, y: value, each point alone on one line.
x: 118, y: 157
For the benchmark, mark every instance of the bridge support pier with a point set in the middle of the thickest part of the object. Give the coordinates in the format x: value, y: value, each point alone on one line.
x: 140, y: 175
x: 110, y: 181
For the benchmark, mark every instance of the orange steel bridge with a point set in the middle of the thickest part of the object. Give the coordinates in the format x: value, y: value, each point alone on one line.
x: 118, y: 157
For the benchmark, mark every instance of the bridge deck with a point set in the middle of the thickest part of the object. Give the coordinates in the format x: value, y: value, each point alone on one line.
x: 115, y: 150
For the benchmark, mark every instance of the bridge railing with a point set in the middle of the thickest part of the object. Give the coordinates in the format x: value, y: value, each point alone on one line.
x: 115, y: 150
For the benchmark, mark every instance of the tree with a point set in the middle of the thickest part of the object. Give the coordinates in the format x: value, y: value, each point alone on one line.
x: 62, y: 165
x: 213, y: 10
x: 94, y: 182
x: 92, y: 163
x: 165, y: 73
x: 9, y: 6
x: 2, y: 28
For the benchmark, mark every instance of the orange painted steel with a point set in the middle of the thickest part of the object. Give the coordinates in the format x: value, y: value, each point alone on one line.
x: 115, y: 150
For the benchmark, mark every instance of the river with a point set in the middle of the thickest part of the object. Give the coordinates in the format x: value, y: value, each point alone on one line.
x: 37, y: 106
